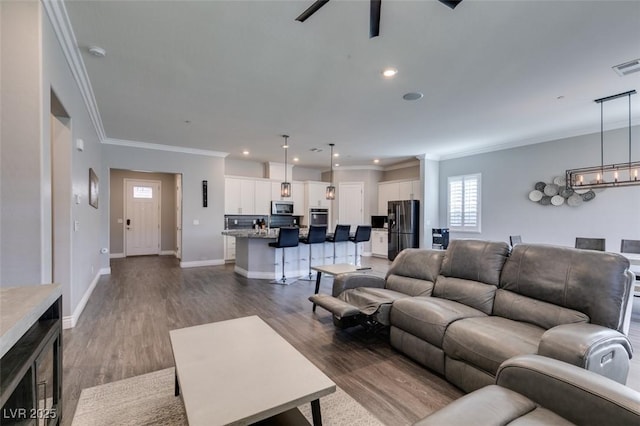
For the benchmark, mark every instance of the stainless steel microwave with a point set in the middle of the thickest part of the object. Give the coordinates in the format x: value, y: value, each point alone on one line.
x: 282, y: 207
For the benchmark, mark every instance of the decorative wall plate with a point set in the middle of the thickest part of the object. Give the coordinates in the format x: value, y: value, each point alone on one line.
x: 551, y: 189
x: 566, y: 192
x: 540, y: 186
x: 557, y: 200
x: 574, y: 201
x: 535, y: 195
x: 560, y: 180
x: 546, y: 200
x: 588, y: 196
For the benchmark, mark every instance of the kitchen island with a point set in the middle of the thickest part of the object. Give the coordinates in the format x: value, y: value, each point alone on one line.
x: 256, y: 259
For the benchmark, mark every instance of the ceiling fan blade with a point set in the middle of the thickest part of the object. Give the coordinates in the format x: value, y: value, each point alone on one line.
x: 374, y: 19
x: 311, y: 10
x: 451, y: 3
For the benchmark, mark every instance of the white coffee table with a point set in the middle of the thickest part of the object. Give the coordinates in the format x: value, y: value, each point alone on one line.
x: 242, y: 371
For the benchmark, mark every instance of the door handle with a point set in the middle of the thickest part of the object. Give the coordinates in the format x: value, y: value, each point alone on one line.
x: 128, y: 222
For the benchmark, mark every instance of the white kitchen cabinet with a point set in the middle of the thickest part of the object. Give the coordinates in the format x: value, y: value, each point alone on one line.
x: 387, y: 191
x: 297, y: 196
x: 315, y: 195
x: 263, y: 197
x: 379, y: 246
x: 239, y: 196
x: 229, y: 248
x: 397, y: 190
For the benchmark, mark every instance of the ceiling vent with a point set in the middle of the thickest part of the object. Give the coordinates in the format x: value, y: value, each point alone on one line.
x: 627, y: 68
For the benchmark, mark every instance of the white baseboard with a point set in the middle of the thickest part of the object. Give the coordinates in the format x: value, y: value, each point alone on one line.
x: 71, y: 321
x: 366, y: 254
x: 116, y: 255
x: 167, y: 253
x: 197, y: 263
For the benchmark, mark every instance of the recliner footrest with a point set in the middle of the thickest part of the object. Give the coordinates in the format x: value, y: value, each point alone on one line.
x: 334, y: 305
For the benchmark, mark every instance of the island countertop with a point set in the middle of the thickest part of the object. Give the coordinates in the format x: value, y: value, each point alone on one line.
x: 263, y: 234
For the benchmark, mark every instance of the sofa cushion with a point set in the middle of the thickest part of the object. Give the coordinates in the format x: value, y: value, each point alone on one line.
x: 369, y: 299
x: 521, y: 308
x: 475, y: 260
x: 417, y: 263
x: 592, y: 282
x: 491, y: 405
x: 409, y: 286
x: 487, y: 341
x: 429, y: 317
x: 471, y: 293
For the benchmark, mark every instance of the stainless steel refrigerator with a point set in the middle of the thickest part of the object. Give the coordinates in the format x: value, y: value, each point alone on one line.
x: 403, y: 223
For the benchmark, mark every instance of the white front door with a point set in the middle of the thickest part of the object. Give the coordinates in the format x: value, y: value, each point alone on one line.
x: 351, y: 204
x: 142, y: 217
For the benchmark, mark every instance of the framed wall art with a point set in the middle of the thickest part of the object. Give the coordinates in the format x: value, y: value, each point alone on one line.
x: 93, y: 189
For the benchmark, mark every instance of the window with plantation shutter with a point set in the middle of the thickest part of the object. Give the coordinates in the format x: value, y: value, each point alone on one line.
x: 464, y: 203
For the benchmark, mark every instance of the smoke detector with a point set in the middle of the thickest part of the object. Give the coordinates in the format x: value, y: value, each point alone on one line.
x: 627, y: 68
x: 97, y: 51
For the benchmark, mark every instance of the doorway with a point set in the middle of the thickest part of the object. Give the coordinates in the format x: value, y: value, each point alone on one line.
x: 61, y: 184
x: 142, y: 217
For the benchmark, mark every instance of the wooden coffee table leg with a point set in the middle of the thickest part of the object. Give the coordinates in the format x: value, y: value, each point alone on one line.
x: 315, y: 412
x: 318, y: 278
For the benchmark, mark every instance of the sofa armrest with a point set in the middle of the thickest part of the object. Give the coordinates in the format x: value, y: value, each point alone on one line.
x: 599, y: 349
x: 344, y: 282
x: 573, y: 393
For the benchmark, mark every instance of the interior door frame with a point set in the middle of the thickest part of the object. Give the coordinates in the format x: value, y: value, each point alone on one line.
x: 125, y: 202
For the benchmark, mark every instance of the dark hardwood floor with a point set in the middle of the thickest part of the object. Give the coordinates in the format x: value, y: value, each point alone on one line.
x: 124, y: 332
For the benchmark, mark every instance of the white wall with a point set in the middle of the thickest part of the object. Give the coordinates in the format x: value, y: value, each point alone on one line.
x: 509, y: 175
x: 256, y: 169
x: 20, y: 145
x: 201, y: 244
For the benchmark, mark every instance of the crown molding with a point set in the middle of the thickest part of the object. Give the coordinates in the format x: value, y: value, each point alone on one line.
x: 425, y: 156
x: 403, y: 165
x: 57, y: 13
x: 160, y: 147
x: 346, y: 168
x: 537, y: 140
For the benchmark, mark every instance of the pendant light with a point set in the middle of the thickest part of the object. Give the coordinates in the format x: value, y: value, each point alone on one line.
x: 285, y: 187
x: 331, y: 190
x: 606, y: 175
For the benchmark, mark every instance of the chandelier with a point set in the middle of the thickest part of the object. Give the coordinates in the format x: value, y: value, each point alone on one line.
x: 606, y: 175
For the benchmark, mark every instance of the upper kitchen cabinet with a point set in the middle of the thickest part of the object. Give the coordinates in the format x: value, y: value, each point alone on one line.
x: 397, y: 190
x: 316, y: 195
x: 297, y: 196
x: 239, y: 196
x: 263, y: 197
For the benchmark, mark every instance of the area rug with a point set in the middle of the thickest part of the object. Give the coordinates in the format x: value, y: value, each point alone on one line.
x: 149, y: 400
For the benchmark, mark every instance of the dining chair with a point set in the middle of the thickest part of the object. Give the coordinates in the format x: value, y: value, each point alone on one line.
x: 590, y: 243
x: 515, y: 239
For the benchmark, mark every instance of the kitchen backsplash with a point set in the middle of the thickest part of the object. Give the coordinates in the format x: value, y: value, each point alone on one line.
x: 248, y: 221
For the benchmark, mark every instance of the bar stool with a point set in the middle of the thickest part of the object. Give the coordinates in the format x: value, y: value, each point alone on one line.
x: 340, y: 235
x: 363, y: 233
x: 287, y: 237
x: 317, y: 234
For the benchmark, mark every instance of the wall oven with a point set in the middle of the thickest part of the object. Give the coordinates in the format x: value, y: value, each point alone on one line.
x: 282, y: 207
x: 318, y: 216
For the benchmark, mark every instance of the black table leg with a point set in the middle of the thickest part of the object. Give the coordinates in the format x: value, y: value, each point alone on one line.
x: 315, y: 412
x: 177, y: 388
x: 318, y: 278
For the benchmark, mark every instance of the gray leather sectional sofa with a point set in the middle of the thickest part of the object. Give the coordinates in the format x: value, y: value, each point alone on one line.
x: 536, y: 390
x: 464, y: 311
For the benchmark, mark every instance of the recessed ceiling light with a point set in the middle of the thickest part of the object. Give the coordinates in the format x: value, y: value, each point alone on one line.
x: 412, y: 96
x: 336, y: 155
x: 296, y: 159
x: 336, y: 165
x: 389, y: 72
x: 97, y: 51
x: 376, y: 161
x: 245, y: 152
